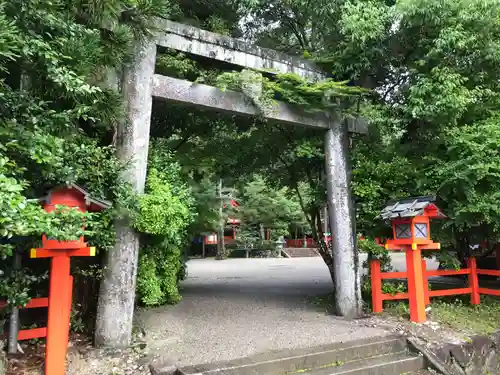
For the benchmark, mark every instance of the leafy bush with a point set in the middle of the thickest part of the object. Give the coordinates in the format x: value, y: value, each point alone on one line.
x: 375, y: 251
x: 165, y: 213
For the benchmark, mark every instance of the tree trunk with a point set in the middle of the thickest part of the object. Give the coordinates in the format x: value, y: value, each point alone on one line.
x: 463, y: 247
x: 325, y: 219
x: 322, y: 247
x: 221, y: 248
x: 14, y: 314
x: 345, y: 255
x: 117, y: 292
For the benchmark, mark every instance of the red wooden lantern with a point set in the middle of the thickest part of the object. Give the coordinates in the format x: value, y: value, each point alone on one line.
x: 72, y: 196
x: 210, y: 239
x: 61, y: 281
x: 410, y: 218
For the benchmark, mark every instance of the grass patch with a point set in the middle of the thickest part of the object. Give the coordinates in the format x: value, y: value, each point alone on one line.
x: 325, y: 302
x: 457, y: 313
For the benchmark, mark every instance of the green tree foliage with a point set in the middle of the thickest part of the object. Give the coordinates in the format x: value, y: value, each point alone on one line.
x: 433, y: 67
x: 471, y: 174
x: 219, y: 16
x: 265, y: 206
x: 57, y: 116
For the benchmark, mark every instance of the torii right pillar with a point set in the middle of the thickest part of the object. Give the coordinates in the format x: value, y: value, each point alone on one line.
x: 348, y: 302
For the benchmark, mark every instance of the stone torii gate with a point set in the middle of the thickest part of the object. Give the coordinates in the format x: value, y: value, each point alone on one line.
x: 141, y: 85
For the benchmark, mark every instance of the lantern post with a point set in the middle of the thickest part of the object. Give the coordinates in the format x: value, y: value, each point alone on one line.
x: 410, y: 218
x: 61, y: 281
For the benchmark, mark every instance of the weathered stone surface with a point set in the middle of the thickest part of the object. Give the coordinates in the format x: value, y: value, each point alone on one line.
x: 183, y: 91
x: 480, y: 356
x: 200, y: 42
x: 345, y: 255
x: 164, y: 369
x: 3, y: 359
x: 117, y: 292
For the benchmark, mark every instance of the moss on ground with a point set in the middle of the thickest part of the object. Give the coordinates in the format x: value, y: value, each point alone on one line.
x: 323, y: 302
x: 458, y: 314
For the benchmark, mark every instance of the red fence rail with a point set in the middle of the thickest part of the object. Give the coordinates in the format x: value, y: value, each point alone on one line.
x: 378, y: 297
x: 34, y: 303
x: 32, y: 333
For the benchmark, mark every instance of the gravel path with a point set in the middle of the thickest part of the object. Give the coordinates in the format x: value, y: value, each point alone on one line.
x: 239, y: 307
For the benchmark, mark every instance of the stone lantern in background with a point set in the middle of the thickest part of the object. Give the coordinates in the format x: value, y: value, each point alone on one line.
x: 280, y: 244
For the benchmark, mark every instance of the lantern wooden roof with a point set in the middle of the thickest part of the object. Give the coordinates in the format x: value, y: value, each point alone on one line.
x: 411, y: 207
x: 93, y: 204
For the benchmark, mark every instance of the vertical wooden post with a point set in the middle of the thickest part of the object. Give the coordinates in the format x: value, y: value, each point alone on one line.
x: 221, y: 252
x: 497, y: 255
x: 14, y: 314
x: 425, y: 283
x: 415, y: 285
x: 59, y: 315
x: 376, y: 286
x: 475, y: 297
x: 325, y: 220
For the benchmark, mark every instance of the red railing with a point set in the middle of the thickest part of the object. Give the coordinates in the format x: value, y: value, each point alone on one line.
x: 487, y: 291
x: 378, y: 297
x: 34, y: 303
x: 33, y: 333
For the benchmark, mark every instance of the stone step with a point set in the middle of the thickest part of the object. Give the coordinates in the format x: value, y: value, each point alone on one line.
x: 389, y: 364
x: 300, y: 252
x: 301, y: 360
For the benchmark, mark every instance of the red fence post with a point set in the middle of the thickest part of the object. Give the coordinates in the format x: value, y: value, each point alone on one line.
x: 59, y: 315
x: 426, y: 282
x: 376, y: 280
x: 415, y: 285
x: 475, y: 298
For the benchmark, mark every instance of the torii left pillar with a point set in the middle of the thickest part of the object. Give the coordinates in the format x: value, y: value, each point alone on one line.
x: 348, y: 300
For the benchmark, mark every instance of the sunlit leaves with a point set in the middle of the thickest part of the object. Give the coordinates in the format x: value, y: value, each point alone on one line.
x: 440, y: 96
x: 470, y: 176
x: 365, y: 21
x: 9, y: 39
